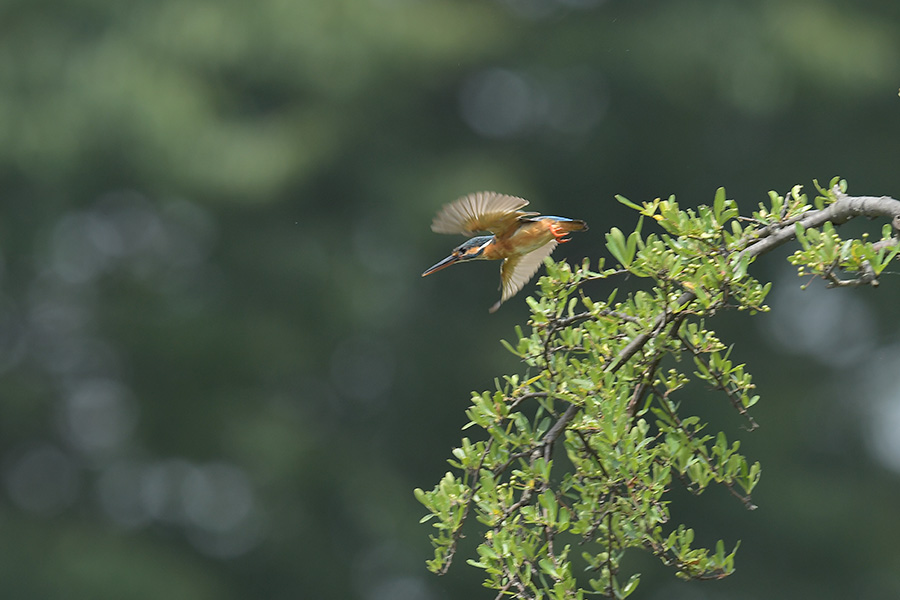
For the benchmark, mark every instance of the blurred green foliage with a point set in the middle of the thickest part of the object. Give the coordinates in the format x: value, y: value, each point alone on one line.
x: 221, y: 372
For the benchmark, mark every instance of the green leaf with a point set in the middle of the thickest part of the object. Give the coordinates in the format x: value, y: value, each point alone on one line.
x: 719, y: 205
x: 630, y: 587
x: 627, y: 202
x: 615, y: 242
x: 510, y: 348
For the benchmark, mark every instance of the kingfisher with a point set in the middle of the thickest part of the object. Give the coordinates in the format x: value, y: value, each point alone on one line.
x: 520, y: 239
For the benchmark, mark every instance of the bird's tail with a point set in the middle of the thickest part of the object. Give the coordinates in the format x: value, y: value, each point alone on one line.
x: 567, y: 225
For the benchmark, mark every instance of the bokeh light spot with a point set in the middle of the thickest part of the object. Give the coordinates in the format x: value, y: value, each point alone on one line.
x: 98, y: 415
x: 42, y: 479
x: 835, y: 329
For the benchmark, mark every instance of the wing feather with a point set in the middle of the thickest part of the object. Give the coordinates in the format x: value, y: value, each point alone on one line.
x: 481, y: 211
x: 516, y: 271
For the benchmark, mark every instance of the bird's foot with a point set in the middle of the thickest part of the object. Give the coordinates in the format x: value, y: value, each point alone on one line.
x: 559, y: 234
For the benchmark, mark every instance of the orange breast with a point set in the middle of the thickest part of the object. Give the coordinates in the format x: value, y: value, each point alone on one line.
x: 527, y: 238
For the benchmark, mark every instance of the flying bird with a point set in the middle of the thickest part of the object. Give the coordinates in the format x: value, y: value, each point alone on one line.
x: 520, y: 239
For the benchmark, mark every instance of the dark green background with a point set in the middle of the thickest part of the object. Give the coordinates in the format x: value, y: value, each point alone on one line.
x: 220, y: 372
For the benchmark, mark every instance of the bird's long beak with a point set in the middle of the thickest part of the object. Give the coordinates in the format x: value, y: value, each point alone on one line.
x: 442, y: 265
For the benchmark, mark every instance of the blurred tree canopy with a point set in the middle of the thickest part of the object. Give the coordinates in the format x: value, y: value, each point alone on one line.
x: 221, y: 373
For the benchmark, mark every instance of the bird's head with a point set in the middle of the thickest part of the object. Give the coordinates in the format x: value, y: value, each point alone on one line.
x: 471, y: 249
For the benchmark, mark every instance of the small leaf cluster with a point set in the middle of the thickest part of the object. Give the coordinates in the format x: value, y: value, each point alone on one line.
x: 825, y: 254
x: 700, y: 251
x: 577, y: 456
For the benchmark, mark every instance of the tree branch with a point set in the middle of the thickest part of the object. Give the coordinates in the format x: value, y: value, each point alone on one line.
x: 842, y: 210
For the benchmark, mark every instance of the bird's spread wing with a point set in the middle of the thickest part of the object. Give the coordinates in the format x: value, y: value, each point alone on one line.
x: 516, y: 271
x: 481, y: 211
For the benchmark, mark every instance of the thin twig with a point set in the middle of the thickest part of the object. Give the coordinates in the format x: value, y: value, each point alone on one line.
x: 722, y: 385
